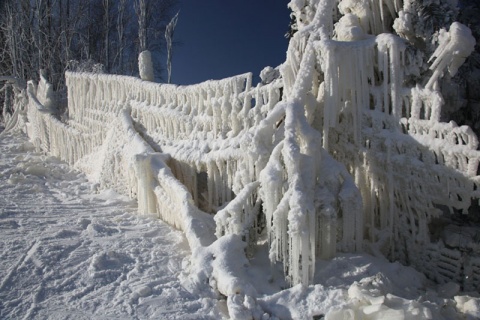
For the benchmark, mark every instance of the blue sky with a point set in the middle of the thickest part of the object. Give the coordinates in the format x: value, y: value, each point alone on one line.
x: 222, y: 38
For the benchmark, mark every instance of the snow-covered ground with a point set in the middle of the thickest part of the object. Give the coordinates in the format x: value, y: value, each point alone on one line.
x: 69, y: 251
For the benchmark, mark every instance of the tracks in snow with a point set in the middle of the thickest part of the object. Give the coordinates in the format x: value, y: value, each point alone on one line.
x: 67, y: 253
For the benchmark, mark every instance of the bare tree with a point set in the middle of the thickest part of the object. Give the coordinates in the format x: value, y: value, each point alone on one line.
x: 169, y: 37
x: 48, y: 34
x: 106, y: 27
x: 121, y: 26
x: 141, y: 11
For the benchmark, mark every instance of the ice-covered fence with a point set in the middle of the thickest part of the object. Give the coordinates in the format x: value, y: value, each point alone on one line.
x: 108, y: 93
x: 310, y: 201
x: 449, y: 264
x: 199, y: 126
x: 120, y: 159
x: 51, y: 135
x: 97, y: 153
x: 196, y: 124
x: 411, y: 168
x: 206, y: 129
x: 209, y: 110
x: 207, y: 147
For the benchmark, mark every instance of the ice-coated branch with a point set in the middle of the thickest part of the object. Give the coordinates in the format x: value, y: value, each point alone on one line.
x: 169, y: 37
x: 454, y: 47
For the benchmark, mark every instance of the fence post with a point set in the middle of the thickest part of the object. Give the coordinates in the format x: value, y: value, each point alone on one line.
x: 145, y: 195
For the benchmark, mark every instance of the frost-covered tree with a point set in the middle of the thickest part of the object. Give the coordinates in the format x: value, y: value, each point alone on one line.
x: 52, y: 34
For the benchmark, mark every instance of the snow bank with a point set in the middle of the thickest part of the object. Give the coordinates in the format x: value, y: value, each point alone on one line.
x: 369, y: 299
x: 94, y: 258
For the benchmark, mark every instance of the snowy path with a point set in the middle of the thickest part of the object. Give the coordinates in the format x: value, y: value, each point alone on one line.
x: 68, y: 253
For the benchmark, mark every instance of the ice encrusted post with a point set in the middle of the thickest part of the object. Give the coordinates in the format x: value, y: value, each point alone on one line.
x: 45, y: 93
x: 145, y: 194
x: 145, y: 66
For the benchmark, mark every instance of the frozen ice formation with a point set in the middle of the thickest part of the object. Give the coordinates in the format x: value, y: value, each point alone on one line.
x: 45, y: 94
x: 339, y: 154
x: 145, y: 66
x: 454, y: 47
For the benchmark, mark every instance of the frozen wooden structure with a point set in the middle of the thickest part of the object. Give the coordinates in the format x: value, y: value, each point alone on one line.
x: 340, y: 154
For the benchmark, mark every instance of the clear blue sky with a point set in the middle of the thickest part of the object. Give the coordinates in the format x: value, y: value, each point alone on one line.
x: 222, y: 38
